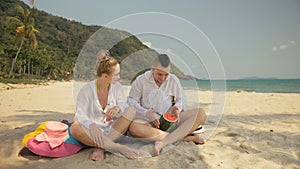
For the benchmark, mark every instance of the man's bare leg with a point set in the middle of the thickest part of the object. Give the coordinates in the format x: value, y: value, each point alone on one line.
x: 144, y: 130
x: 122, y: 124
x: 137, y: 129
x: 196, y: 138
x: 190, y: 120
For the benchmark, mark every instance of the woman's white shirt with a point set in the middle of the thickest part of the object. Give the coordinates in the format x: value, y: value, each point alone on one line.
x: 89, y: 110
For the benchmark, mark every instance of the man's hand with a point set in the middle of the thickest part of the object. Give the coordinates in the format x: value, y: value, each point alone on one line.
x: 111, y: 113
x: 150, y: 114
x: 97, y: 135
x: 175, y: 111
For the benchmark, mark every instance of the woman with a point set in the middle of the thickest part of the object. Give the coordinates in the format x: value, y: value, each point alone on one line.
x: 102, y: 114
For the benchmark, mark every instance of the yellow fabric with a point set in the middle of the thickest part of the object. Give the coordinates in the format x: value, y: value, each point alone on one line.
x: 41, y: 128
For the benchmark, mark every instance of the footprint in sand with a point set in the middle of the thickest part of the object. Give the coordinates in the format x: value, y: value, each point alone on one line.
x: 232, y: 134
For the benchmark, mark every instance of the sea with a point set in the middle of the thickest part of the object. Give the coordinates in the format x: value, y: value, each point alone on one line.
x: 250, y: 85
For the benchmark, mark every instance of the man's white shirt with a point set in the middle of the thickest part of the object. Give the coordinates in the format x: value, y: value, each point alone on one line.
x: 145, y: 94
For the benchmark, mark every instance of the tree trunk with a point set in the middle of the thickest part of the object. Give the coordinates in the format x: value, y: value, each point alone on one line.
x: 28, y: 68
x: 31, y: 68
x: 24, y: 67
x: 15, y: 59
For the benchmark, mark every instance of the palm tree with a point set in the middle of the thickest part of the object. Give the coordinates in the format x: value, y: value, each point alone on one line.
x: 23, y: 27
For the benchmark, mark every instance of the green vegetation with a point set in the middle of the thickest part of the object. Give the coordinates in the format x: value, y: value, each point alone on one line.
x: 49, y: 46
x: 22, y: 26
x: 60, y: 41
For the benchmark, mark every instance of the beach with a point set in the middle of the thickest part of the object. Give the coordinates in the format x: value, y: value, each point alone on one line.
x: 256, y: 130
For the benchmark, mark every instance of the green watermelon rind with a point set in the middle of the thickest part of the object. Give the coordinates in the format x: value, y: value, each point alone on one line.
x: 165, y: 123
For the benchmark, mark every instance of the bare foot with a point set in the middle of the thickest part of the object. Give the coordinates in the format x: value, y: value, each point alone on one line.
x: 196, y: 138
x: 128, y: 152
x: 98, y: 154
x: 157, y: 147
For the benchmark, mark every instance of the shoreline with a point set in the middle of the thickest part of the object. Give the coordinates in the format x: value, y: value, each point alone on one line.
x: 10, y: 86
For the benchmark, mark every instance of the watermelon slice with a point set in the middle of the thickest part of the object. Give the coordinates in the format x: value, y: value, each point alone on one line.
x: 166, y: 121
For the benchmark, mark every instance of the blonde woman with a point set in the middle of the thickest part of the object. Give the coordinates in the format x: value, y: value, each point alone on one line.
x: 102, y: 114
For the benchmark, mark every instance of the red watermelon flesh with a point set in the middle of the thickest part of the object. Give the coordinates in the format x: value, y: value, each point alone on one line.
x: 170, y: 117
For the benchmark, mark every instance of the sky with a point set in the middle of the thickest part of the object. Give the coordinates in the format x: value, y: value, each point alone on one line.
x: 250, y: 38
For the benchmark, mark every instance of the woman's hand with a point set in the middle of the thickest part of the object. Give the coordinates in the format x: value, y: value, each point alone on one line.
x: 111, y: 113
x: 97, y: 135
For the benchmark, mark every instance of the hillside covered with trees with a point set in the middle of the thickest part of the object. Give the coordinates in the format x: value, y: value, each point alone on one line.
x: 53, y: 44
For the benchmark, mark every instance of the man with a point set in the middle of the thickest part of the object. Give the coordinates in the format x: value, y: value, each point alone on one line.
x: 160, y: 80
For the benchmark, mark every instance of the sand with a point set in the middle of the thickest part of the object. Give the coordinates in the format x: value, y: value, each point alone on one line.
x: 257, y: 130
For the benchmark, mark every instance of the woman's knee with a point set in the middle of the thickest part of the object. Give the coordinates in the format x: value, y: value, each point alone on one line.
x: 76, y: 130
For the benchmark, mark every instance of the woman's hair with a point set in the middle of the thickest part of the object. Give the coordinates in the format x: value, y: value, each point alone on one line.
x: 106, y: 64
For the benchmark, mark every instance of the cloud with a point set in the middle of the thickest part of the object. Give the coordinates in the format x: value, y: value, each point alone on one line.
x: 169, y: 50
x: 149, y: 44
x: 283, y: 46
x: 292, y: 42
x: 70, y: 19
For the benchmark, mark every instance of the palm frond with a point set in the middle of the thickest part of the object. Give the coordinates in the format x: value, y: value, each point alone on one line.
x: 12, y: 21
x: 20, y: 10
x: 20, y: 29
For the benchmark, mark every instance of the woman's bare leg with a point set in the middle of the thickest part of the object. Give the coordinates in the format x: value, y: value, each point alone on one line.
x: 118, y: 129
x: 78, y: 132
x: 98, y: 154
